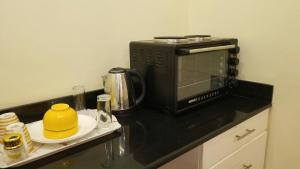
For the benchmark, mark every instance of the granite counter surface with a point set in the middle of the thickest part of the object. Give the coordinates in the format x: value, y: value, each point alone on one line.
x: 149, y: 139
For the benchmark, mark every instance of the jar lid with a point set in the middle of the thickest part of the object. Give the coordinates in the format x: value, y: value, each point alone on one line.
x: 12, y: 141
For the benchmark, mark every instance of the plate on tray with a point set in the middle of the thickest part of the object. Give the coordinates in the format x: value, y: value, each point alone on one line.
x: 86, y: 124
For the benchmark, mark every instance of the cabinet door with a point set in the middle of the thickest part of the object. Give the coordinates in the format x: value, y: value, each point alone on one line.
x: 226, y: 143
x: 188, y: 160
x: 249, y: 156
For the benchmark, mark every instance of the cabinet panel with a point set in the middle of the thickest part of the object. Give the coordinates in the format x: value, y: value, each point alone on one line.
x: 188, y: 160
x: 224, y: 144
x: 249, y: 156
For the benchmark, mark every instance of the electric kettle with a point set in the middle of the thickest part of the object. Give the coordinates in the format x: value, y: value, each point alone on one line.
x: 119, y: 83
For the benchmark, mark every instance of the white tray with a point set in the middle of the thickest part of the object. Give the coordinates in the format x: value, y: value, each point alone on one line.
x: 44, y: 150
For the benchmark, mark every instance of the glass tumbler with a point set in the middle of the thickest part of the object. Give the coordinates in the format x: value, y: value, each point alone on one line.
x: 79, y: 99
x: 103, y: 116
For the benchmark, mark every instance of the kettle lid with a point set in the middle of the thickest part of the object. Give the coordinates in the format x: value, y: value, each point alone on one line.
x: 117, y: 70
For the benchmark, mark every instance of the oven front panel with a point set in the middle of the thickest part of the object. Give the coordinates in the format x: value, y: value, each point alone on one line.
x: 200, y: 99
x: 201, y: 73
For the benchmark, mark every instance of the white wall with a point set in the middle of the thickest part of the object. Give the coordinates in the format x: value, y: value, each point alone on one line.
x: 269, y: 33
x: 46, y: 47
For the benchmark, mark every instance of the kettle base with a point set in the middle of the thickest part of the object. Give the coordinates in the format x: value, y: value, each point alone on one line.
x: 127, y: 112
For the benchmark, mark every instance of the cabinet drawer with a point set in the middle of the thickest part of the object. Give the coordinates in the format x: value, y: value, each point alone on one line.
x: 224, y: 144
x: 249, y: 156
x: 189, y: 160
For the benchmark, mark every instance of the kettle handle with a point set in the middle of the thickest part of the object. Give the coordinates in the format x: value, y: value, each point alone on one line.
x: 133, y: 72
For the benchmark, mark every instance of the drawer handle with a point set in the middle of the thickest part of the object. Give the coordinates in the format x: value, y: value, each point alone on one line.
x: 248, y: 131
x: 247, y: 166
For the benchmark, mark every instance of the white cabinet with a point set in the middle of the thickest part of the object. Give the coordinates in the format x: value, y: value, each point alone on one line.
x: 188, y: 160
x: 226, y: 143
x: 249, y: 156
x: 241, y: 147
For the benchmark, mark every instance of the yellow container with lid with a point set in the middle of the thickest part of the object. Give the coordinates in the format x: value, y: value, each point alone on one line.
x: 13, y: 146
x: 60, y: 122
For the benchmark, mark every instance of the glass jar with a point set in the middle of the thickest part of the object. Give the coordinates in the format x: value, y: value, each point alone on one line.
x: 13, y: 146
x: 104, y: 116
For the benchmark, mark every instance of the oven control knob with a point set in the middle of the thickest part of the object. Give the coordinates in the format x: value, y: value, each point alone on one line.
x: 233, y: 72
x: 235, y: 50
x: 233, y: 61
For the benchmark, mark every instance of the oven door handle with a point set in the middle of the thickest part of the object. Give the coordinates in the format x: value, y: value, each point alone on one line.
x: 186, y: 51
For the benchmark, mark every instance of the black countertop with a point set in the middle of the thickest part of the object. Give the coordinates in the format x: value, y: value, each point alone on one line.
x: 148, y: 138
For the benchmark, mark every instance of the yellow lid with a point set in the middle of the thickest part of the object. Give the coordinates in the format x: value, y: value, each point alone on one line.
x: 12, y: 141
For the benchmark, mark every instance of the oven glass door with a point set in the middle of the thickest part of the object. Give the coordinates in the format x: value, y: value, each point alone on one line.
x: 201, y: 72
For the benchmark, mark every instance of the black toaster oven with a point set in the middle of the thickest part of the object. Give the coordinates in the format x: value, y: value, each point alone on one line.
x: 183, y: 72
